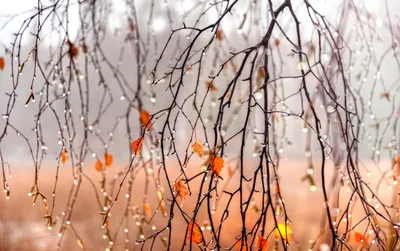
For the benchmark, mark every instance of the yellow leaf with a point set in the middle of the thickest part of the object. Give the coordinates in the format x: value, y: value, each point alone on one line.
x: 284, y: 230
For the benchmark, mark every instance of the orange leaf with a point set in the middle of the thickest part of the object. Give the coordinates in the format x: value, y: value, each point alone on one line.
x: 277, y: 189
x: 109, y: 159
x: 217, y: 163
x: 181, y: 190
x: 234, y: 67
x: 137, y: 145
x: 241, y: 247
x: 99, y: 165
x: 230, y: 172
x: 147, y: 209
x: 262, y: 243
x: 211, y: 85
x: 2, y: 63
x: 197, y: 148
x: 64, y: 157
x: 277, y: 42
x: 360, y: 238
x: 145, y: 119
x: 276, y: 117
x: 398, y: 160
x: 219, y: 35
x: 194, y: 232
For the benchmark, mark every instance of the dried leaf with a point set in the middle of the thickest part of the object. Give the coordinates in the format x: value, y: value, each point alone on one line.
x: 84, y: 48
x: 385, y: 95
x: 2, y: 63
x: 162, y: 204
x: 109, y: 159
x: 73, y: 49
x: 234, y: 67
x: 145, y: 119
x: 360, y: 238
x: 285, y: 230
x: 211, y: 85
x: 277, y: 42
x: 197, y: 148
x: 131, y: 25
x: 64, y: 157
x: 31, y: 96
x: 241, y: 245
x: 217, y: 163
x: 80, y: 244
x: 21, y: 67
x: 137, y: 145
x: 181, y: 190
x: 99, y: 165
x: 277, y: 119
x: 261, y: 73
x: 219, y: 35
x: 262, y: 243
x: 277, y: 189
x: 164, y: 241
x: 398, y: 160
x: 194, y: 232
x: 147, y: 209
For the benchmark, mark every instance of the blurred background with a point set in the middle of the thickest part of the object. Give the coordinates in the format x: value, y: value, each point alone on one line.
x: 103, y: 106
